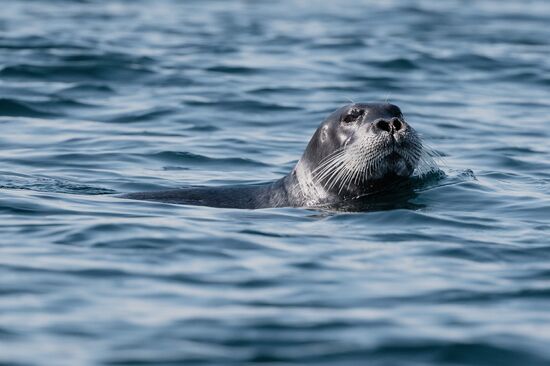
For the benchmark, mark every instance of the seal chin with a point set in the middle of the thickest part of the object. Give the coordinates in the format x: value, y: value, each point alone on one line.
x: 398, y: 165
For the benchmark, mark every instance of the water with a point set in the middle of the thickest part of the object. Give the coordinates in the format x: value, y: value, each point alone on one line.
x: 110, y: 97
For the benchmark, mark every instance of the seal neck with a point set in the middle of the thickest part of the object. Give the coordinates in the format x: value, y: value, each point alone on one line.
x: 301, y: 186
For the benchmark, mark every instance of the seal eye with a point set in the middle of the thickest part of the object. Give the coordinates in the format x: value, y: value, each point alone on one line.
x: 353, y: 115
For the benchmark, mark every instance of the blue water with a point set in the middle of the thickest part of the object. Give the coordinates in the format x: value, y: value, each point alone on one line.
x: 103, y: 97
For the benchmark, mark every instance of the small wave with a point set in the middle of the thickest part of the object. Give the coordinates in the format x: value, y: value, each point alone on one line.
x: 106, y: 58
x: 226, y: 69
x: 399, y: 64
x: 142, y: 115
x: 36, y: 43
x: 276, y: 90
x: 525, y: 77
x: 439, y: 178
x: 17, y: 108
x: 195, y: 159
x: 458, y: 353
x: 66, y: 72
x: 478, y: 62
x: 46, y: 184
x: 82, y: 89
x: 57, y: 102
x: 53, y: 106
x: 378, y: 82
x: 348, y: 42
x: 254, y: 106
x: 203, y: 128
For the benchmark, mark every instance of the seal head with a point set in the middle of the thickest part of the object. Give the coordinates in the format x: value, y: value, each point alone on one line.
x: 357, y: 147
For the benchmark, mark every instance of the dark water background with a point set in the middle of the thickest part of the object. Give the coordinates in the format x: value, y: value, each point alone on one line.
x: 101, y: 97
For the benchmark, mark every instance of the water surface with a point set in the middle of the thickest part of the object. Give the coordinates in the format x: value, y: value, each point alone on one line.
x: 98, y: 98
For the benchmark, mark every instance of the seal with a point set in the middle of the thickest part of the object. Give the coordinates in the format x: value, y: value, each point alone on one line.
x: 356, y: 149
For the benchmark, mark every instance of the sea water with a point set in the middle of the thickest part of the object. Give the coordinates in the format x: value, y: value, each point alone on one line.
x: 106, y: 97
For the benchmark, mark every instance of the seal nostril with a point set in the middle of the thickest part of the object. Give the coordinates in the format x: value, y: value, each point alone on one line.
x: 383, y: 125
x: 396, y: 123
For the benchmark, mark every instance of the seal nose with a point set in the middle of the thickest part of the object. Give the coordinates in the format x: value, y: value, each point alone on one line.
x: 392, y: 126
